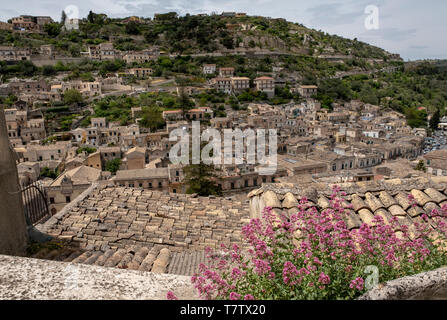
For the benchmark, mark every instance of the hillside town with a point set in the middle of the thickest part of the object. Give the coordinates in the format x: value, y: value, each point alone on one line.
x: 92, y: 132
x: 353, y: 142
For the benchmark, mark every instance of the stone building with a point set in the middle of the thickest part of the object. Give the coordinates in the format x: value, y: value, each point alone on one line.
x: 141, y: 73
x: 8, y: 53
x: 37, y: 153
x: 265, y: 84
x: 209, y: 68
x: 149, y: 178
x: 222, y: 84
x: 103, y: 51
x: 436, y: 162
x: 239, y: 84
x: 139, y: 56
x: 24, y: 126
x: 69, y: 185
x: 135, y: 158
x: 307, y: 91
x: 226, y: 72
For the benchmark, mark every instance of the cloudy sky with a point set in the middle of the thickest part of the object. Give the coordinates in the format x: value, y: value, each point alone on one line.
x: 413, y: 28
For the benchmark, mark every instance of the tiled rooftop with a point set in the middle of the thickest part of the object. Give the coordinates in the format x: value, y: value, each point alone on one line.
x: 144, y: 230
x: 129, y: 228
x: 386, y: 198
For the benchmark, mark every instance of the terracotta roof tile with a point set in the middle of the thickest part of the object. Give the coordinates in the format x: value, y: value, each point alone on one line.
x: 366, y: 216
x: 430, y: 206
x: 387, y: 199
x: 415, y: 211
x: 387, y: 217
x: 373, y: 202
x: 397, y: 210
x: 420, y: 197
x: 435, y: 195
x: 358, y: 203
x: 403, y: 201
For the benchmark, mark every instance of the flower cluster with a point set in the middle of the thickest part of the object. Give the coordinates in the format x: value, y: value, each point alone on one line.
x: 313, y: 254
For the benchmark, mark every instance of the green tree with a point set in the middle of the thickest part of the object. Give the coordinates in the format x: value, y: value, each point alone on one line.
x: 183, y: 100
x: 434, y: 120
x: 63, y: 17
x: 152, y: 118
x: 53, y: 29
x: 421, y: 166
x: 132, y: 28
x: 48, y: 173
x: 89, y: 150
x: 73, y: 96
x: 113, y: 165
x: 200, y: 179
x: 48, y: 70
x: 91, y: 17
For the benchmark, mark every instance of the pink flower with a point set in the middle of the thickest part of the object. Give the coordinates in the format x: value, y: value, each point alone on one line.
x: 261, y: 266
x: 236, y: 273
x: 324, y: 278
x: 234, y: 296
x: 357, y: 284
x: 249, y: 297
x: 171, y: 296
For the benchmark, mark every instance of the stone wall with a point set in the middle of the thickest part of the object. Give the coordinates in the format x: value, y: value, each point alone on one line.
x: 430, y: 285
x: 13, y: 236
x: 36, y: 279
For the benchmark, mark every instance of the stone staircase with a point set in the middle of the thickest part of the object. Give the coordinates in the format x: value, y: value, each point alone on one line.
x: 157, y: 259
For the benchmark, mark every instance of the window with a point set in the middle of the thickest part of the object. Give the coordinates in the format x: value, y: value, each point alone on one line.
x: 160, y: 185
x: 334, y: 167
x: 150, y: 184
x: 51, y: 200
x: 246, y: 183
x: 140, y: 185
x: 67, y: 199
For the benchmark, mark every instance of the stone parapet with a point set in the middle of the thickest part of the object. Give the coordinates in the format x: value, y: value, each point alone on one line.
x: 36, y: 279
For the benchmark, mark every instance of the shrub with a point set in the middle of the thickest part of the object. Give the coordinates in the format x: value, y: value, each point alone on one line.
x: 89, y: 150
x: 113, y: 165
x: 312, y: 254
x: 48, y: 173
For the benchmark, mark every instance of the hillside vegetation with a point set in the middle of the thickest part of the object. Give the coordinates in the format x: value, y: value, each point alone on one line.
x: 344, y: 69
